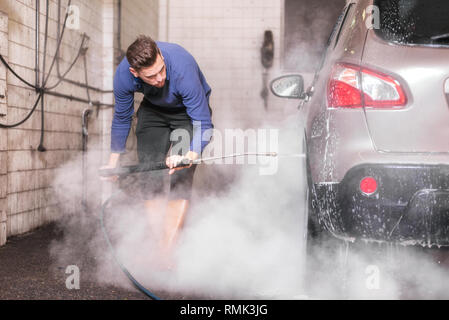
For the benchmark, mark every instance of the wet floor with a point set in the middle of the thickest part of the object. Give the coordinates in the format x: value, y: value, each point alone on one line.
x: 378, y: 271
x: 28, y: 272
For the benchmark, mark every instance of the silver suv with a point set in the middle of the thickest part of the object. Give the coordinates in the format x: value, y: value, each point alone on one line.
x: 377, y: 124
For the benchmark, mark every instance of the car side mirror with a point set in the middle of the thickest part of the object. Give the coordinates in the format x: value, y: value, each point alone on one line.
x: 291, y: 86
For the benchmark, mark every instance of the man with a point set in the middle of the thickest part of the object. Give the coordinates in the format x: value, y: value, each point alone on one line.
x: 176, y: 97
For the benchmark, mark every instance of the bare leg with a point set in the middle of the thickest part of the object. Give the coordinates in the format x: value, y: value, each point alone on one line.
x: 165, y: 228
x: 176, y: 210
x: 174, y: 219
x: 155, y: 210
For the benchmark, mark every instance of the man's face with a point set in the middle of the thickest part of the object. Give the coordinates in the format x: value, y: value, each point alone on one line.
x: 154, y: 75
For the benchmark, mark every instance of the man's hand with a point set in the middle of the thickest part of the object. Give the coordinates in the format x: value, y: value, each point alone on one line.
x: 113, y: 160
x: 175, y: 160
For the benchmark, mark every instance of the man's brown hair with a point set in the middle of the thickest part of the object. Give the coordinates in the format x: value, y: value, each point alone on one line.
x: 142, y: 53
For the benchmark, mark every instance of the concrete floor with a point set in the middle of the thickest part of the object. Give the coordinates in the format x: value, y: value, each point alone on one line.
x: 28, y: 272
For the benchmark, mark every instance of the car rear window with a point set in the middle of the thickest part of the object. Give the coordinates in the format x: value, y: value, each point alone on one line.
x: 420, y: 22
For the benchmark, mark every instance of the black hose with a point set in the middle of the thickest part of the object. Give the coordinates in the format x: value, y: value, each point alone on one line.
x: 58, y: 22
x: 86, y: 79
x: 136, y: 283
x: 119, y: 27
x: 142, y: 168
x: 8, y: 126
x: 15, y: 74
x: 41, y: 147
x: 62, y: 77
x: 56, y: 94
x: 119, y: 53
x: 44, y: 58
x: 36, y: 52
x: 58, y: 46
x: 85, y: 134
x: 40, y: 90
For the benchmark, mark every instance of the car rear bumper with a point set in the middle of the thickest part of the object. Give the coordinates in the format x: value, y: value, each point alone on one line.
x: 410, y: 206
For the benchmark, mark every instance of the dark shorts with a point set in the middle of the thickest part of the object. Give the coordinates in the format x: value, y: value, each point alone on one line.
x: 155, y: 127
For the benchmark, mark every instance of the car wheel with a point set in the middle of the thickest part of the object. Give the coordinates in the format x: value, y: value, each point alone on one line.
x: 326, y: 256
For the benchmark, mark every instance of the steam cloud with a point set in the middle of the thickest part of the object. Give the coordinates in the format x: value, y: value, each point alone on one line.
x: 242, y: 241
x: 243, y: 237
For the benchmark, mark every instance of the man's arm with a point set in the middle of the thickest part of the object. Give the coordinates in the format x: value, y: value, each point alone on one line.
x: 197, y: 107
x: 121, y: 122
x: 196, y: 102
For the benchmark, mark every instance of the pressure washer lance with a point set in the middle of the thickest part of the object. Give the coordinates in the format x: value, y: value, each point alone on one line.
x: 126, y: 170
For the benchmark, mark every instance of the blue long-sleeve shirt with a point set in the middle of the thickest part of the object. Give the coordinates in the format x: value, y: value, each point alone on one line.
x: 185, y: 86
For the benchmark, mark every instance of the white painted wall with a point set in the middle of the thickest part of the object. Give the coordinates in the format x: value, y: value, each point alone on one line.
x: 225, y: 38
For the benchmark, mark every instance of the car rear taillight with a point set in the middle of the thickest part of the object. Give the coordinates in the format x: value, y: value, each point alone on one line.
x: 351, y: 86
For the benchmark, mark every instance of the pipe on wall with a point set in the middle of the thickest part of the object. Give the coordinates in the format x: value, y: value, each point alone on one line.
x: 37, y: 84
x: 85, y: 137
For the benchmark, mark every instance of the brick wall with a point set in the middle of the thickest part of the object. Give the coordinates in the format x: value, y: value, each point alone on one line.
x: 224, y: 36
x: 30, y: 173
x: 26, y: 175
x: 3, y: 134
